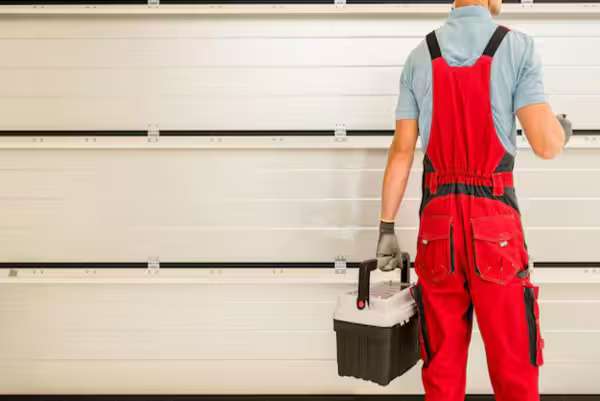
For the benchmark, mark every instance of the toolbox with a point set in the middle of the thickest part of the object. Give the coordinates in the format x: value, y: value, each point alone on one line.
x: 376, y: 327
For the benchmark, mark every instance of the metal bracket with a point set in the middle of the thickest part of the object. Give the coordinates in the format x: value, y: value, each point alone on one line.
x: 153, y: 3
x: 340, y: 265
x: 530, y: 265
x: 153, y: 265
x: 340, y: 133
x: 339, y: 2
x: 13, y: 273
x: 153, y: 133
x: 527, y: 2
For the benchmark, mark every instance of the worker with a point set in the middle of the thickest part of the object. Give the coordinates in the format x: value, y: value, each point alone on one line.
x: 460, y: 89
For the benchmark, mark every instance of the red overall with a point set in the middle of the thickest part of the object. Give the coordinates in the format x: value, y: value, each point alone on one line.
x: 471, y: 250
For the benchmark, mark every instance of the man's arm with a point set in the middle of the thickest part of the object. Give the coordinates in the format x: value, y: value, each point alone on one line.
x: 546, y: 135
x: 542, y: 129
x: 400, y: 157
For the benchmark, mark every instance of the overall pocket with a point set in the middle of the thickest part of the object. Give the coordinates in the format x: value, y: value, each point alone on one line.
x: 532, y: 315
x: 498, y: 247
x: 435, y: 248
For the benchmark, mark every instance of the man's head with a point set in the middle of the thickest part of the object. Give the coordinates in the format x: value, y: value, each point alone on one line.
x: 495, y: 6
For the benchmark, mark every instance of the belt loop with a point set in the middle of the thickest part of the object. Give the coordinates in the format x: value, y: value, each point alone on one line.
x: 498, y: 184
x: 433, y: 182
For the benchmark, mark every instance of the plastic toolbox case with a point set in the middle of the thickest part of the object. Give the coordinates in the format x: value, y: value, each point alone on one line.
x: 376, y: 328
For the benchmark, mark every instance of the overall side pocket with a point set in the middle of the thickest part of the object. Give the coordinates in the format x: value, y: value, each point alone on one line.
x: 434, y: 260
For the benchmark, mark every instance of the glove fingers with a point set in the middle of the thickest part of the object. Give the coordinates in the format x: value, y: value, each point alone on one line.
x: 383, y: 261
x: 393, y: 264
x: 387, y: 263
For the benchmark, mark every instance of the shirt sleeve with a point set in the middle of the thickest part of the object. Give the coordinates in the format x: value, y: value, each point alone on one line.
x: 407, y: 107
x: 530, y: 80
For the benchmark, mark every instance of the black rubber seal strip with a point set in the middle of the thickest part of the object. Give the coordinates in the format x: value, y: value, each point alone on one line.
x: 268, y: 397
x: 224, y: 133
x: 144, y: 2
x: 236, y: 265
x: 188, y: 133
x: 173, y: 265
x: 576, y: 132
x: 558, y: 265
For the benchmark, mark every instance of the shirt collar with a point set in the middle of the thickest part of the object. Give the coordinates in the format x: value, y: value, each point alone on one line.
x: 477, y: 12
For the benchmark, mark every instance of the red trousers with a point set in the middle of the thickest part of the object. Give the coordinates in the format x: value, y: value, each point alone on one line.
x: 471, y: 251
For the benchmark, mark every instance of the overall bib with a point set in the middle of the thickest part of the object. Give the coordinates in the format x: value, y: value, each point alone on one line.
x: 471, y: 250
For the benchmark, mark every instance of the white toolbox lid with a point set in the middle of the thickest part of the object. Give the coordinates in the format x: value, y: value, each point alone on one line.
x: 389, y: 304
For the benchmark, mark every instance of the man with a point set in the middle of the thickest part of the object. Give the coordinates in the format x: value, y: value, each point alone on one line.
x: 460, y: 89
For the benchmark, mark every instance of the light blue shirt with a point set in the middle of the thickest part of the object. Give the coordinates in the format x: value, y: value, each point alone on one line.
x: 517, y: 76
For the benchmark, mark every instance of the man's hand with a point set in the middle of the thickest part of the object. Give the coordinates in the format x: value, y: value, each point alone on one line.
x: 388, y: 250
x: 566, y: 125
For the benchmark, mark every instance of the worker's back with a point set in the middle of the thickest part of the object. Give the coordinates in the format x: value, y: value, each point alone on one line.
x: 516, y: 75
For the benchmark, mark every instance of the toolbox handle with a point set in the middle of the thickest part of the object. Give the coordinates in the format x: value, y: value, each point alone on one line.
x: 364, y: 277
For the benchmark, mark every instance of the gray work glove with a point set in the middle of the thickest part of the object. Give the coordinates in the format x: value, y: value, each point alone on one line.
x: 388, y: 250
x: 566, y: 125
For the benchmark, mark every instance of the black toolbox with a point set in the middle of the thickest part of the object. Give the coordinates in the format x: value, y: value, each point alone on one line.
x: 377, y: 328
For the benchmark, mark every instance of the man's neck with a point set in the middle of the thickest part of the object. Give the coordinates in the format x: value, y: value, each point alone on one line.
x: 463, y: 3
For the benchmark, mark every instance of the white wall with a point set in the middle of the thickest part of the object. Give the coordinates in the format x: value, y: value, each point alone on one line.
x: 280, y: 199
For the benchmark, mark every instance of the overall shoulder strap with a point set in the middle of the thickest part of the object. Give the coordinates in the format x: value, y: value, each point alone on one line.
x: 495, y: 41
x: 433, y: 45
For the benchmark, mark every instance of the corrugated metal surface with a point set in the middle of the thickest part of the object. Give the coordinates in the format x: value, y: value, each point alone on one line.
x: 265, y: 204
x: 244, y: 72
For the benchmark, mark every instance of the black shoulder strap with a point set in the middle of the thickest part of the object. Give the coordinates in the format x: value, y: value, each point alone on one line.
x: 495, y: 41
x: 433, y: 45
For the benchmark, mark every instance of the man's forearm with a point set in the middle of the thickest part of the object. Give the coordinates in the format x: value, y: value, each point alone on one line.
x: 395, y: 180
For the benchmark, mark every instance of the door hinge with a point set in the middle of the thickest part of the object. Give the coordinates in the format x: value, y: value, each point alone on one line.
x: 153, y: 3
x: 153, y: 133
x: 340, y: 133
x: 527, y: 2
x: 339, y: 2
x: 153, y: 265
x: 340, y: 265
